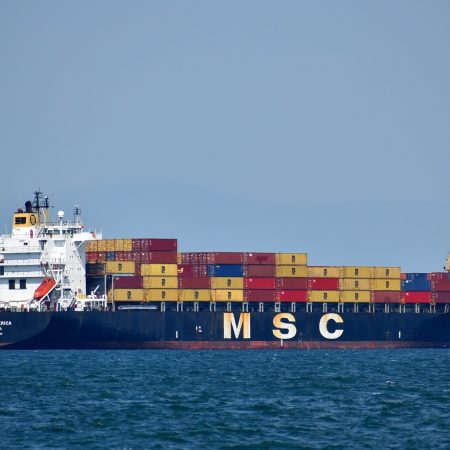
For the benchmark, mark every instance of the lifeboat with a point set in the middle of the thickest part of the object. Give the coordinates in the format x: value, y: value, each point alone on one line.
x: 44, y: 288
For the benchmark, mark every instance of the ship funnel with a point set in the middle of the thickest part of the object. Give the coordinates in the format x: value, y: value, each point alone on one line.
x: 28, y: 207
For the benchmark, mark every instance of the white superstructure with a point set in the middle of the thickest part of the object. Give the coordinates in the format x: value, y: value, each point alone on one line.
x: 38, y: 250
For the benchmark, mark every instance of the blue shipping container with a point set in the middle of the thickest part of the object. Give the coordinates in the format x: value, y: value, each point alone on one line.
x: 110, y: 256
x: 225, y: 270
x: 417, y: 276
x: 416, y: 285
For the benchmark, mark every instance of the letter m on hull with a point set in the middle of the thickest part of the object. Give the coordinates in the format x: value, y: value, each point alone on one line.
x: 231, y: 329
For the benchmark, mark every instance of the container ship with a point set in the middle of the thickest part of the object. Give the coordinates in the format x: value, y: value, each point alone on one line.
x: 62, y: 286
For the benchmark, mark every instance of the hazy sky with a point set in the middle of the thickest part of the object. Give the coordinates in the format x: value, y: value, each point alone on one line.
x: 236, y: 125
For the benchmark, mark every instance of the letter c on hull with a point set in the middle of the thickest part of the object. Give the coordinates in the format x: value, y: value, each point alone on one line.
x: 323, y: 326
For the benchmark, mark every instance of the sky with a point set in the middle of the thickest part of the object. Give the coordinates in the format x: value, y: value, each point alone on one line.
x: 286, y: 126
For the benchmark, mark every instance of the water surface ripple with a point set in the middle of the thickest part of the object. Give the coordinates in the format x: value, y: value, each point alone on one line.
x: 368, y: 399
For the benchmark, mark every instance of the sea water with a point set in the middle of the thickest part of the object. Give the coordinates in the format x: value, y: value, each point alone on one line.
x: 371, y: 399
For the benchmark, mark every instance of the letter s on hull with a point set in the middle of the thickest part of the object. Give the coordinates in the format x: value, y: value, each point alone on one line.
x: 286, y: 330
x: 323, y: 326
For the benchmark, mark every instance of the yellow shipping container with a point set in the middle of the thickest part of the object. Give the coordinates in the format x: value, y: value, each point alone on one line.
x: 120, y: 267
x: 224, y: 295
x: 385, y: 285
x: 118, y: 245
x: 291, y: 259
x: 91, y: 246
x: 134, y: 295
x: 387, y: 272
x: 179, y: 258
x: 160, y: 282
x: 227, y: 283
x: 169, y: 270
x: 101, y: 245
x: 354, y: 296
x: 161, y: 295
x: 110, y: 247
x: 324, y: 272
x: 194, y: 295
x: 291, y: 271
x: 357, y: 272
x: 323, y: 296
x: 351, y: 284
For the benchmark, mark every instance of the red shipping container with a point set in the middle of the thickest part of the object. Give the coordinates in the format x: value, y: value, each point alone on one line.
x: 442, y: 297
x: 324, y: 284
x: 154, y: 244
x: 292, y: 296
x: 259, y: 258
x: 194, y: 282
x: 185, y: 270
x: 416, y: 297
x: 101, y: 256
x: 441, y: 285
x: 403, y: 276
x: 259, y: 271
x: 91, y: 256
x: 225, y: 258
x: 259, y: 283
x: 125, y: 282
x: 124, y: 256
x: 292, y: 283
x: 438, y: 276
x: 386, y: 296
x: 260, y: 295
x: 194, y: 258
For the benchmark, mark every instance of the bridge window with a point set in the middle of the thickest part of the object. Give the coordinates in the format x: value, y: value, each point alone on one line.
x: 20, y: 220
x: 23, y: 284
x: 12, y: 284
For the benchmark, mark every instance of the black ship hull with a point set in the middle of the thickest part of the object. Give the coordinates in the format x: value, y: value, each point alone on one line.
x: 218, y: 330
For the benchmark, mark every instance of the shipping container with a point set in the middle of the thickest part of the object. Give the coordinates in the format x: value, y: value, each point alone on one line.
x: 387, y: 272
x: 417, y: 276
x: 260, y: 295
x: 185, y: 270
x: 440, y: 285
x: 291, y: 259
x: 179, y: 259
x: 129, y: 295
x: 350, y: 284
x: 354, y: 296
x: 110, y: 247
x: 441, y: 297
x: 225, y: 295
x: 160, y: 282
x: 324, y: 272
x: 194, y: 258
x: 128, y: 282
x: 225, y: 258
x: 102, y: 245
x: 416, y: 296
x: 125, y: 256
x: 416, y: 284
x: 161, y: 295
x: 292, y: 271
x: 438, y: 276
x: 194, y: 282
x: 91, y: 246
x: 154, y: 244
x: 95, y: 269
x: 292, y: 295
x: 91, y: 257
x: 225, y: 270
x: 169, y: 270
x: 385, y: 285
x: 110, y: 256
x: 323, y: 296
x: 386, y: 296
x: 259, y: 283
x: 101, y: 256
x: 323, y: 284
x: 357, y: 272
x: 120, y: 267
x: 147, y: 257
x: 299, y: 284
x: 259, y: 271
x: 194, y: 295
x: 227, y: 283
x: 260, y: 258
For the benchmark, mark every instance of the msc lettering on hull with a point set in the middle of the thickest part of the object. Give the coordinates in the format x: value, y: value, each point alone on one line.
x: 284, y: 326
